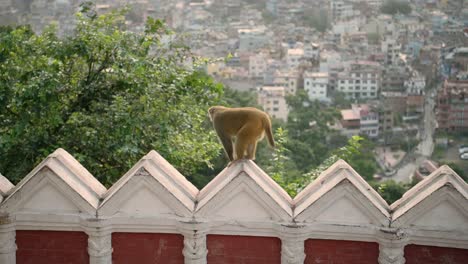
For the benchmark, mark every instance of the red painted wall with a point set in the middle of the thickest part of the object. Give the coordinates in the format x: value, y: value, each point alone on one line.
x: 416, y: 254
x: 243, y: 250
x: 148, y: 248
x: 51, y: 247
x: 341, y: 252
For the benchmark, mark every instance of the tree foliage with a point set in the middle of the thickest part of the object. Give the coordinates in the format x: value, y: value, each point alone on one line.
x: 104, y: 94
x: 393, y: 7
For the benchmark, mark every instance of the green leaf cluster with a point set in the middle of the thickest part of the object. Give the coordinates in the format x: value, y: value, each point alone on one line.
x: 106, y: 95
x: 392, y: 7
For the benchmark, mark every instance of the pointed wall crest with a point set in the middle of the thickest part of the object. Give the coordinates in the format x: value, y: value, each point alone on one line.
x: 5, y: 187
x: 152, y: 187
x: 59, y: 184
x: 244, y: 192
x: 340, y: 194
x: 438, y: 202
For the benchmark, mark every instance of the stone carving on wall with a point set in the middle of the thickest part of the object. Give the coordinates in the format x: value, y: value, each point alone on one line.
x: 292, y: 251
x: 195, y: 250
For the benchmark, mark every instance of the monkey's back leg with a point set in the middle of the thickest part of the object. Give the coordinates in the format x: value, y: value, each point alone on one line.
x: 246, y: 138
x: 226, y: 140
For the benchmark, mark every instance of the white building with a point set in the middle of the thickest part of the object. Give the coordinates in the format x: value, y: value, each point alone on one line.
x: 311, y: 51
x: 416, y: 84
x: 341, y: 9
x: 329, y: 60
x: 252, y: 39
x: 360, y: 119
x: 392, y: 48
x: 287, y: 79
x: 273, y: 101
x: 294, y: 57
x: 360, y: 80
x: 257, y: 65
x: 316, y: 84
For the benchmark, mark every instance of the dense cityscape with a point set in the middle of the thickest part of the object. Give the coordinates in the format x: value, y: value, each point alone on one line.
x: 402, y: 65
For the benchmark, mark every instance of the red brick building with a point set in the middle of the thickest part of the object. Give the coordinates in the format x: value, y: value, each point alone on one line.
x: 452, y: 106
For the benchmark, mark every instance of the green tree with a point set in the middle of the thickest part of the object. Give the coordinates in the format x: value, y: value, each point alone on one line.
x: 317, y: 19
x: 308, y: 130
x: 391, y: 190
x: 104, y: 94
x: 392, y: 7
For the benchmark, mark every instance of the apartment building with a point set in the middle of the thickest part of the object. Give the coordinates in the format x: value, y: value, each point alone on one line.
x: 392, y: 48
x: 252, y: 39
x: 273, y: 101
x: 360, y: 119
x: 257, y: 65
x: 294, y: 57
x: 341, y: 9
x: 360, y: 80
x: 452, y: 106
x: 287, y: 79
x: 316, y: 85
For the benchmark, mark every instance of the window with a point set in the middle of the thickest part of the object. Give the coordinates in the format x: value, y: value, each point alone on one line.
x: 364, y: 94
x: 275, y: 102
x: 358, y: 87
x: 275, y: 109
x: 358, y: 81
x: 373, y: 81
x: 307, y: 83
x: 342, y: 81
x: 372, y: 94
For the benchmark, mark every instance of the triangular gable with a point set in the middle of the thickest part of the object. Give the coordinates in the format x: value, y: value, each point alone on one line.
x: 5, y: 187
x: 370, y: 205
x: 152, y: 186
x: 243, y: 191
x: 437, y: 202
x: 63, y: 175
x: 435, y: 180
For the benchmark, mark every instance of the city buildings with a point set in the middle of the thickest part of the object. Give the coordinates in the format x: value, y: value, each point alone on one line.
x: 452, y: 106
x: 273, y: 101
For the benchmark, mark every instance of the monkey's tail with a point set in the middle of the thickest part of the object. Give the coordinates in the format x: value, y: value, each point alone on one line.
x: 268, y: 132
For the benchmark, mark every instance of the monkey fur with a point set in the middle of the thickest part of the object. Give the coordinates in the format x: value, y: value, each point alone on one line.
x: 245, y: 125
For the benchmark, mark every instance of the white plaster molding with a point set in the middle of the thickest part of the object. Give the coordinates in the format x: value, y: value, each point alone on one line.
x: 344, y: 204
x: 332, y: 177
x: 242, y: 201
x: 292, y: 243
x: 99, y: 241
x: 392, y: 244
x: 442, y: 176
x: 195, y: 249
x: 47, y: 194
x: 5, y: 187
x: 63, y: 173
x: 243, y: 192
x: 7, y: 241
x: 144, y: 196
x: 158, y: 174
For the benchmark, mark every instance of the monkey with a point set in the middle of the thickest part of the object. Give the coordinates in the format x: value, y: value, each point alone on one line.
x: 245, y: 125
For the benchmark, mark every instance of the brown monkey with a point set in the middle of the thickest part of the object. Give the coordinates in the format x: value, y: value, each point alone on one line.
x: 245, y: 125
